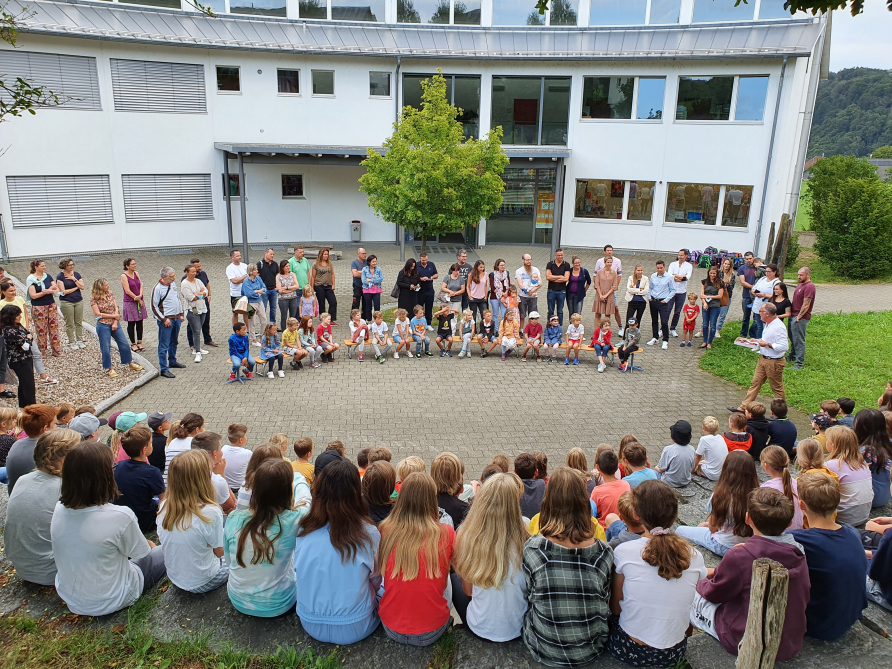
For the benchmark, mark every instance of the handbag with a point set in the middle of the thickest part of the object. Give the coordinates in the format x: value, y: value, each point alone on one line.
x: 725, y: 301
x: 395, y: 293
x: 241, y: 305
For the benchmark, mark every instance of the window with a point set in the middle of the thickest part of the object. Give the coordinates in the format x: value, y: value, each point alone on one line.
x: 531, y: 110
x: 292, y: 185
x: 651, y: 91
x: 313, y: 9
x: 323, y: 82
x: 233, y: 189
x: 614, y: 199
x: 465, y: 12
x: 641, y: 200
x: 59, y: 200
x: 351, y: 10
x: 736, y: 210
x: 150, y: 198
x: 633, y: 12
x: 150, y: 86
x: 461, y: 91
x: 692, y: 203
x: 709, y: 11
x: 72, y: 78
x: 704, y: 98
x: 607, y: 97
x: 774, y: 9
x: 289, y: 82
x: 664, y: 11
x: 379, y: 84
x: 170, y: 4
x: 258, y: 7
x: 563, y: 13
x: 228, y: 80
x: 751, y: 92
x: 518, y: 13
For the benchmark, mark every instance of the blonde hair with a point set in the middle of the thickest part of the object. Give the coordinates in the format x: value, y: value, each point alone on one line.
x: 401, y: 314
x: 575, y: 318
x: 711, y: 424
x: 694, y: 295
x: 292, y: 321
x: 409, y: 465
x: 99, y: 289
x: 51, y: 447
x: 809, y: 455
x: 64, y: 409
x: 446, y: 470
x: 776, y: 457
x: 308, y: 291
x: 412, y: 531
x: 576, y: 460
x: 467, y: 312
x: 489, y: 543
x: 843, y: 446
x: 625, y: 508
x: 189, y: 489
x: 9, y: 415
x: 280, y: 440
x: 174, y: 427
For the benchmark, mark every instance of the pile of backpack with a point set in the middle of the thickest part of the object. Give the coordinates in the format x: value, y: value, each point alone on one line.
x: 712, y: 256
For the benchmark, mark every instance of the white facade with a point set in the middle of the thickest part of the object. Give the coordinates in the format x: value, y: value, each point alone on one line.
x: 67, y: 141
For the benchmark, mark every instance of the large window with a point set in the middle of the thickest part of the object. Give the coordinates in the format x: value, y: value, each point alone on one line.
x: 323, y: 82
x: 520, y: 13
x: 464, y: 12
x: 531, y: 110
x: 461, y: 91
x: 526, y: 215
x: 710, y: 98
x: 633, y: 12
x: 614, y: 97
x: 289, y: 82
x: 228, y: 79
x: 708, y: 11
x: 337, y: 10
x: 258, y: 7
x: 614, y: 199
x: 651, y: 91
x: 704, y: 204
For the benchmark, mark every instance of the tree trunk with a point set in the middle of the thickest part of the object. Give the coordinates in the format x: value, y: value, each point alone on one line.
x: 770, y: 242
x: 423, y: 243
x: 786, y: 231
x: 765, y: 619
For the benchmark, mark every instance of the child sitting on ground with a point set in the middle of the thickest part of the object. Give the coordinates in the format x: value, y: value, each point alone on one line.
x: 362, y: 461
x: 711, y: 451
x: 402, y: 333
x: 303, y: 449
x: 211, y: 443
x: 445, y: 322
x: 65, y: 414
x: 691, y: 310
x: 379, y: 453
x: 776, y: 464
x: 781, y: 430
x: 855, y: 481
x: 757, y: 426
x: 239, y: 353
x: 466, y: 332
x: 810, y: 458
x: 601, y: 342
x: 271, y: 349
x: 723, y: 598
x: 533, y: 488
x: 636, y: 458
x: 831, y: 408
x: 677, y: 459
x: 575, y: 333
x: 291, y: 344
x: 532, y: 334
x: 447, y: 471
x: 879, y: 561
x: 630, y: 344
x: 846, y: 416
x: 624, y: 525
x: 738, y: 439
x: 324, y: 338
x: 553, y: 337
x: 820, y: 423
x: 139, y: 483
x: 408, y: 466
x: 487, y: 333
x: 621, y: 453
x: 359, y: 332
x: 307, y: 336
x: 419, y: 332
x: 236, y: 456
x: 837, y: 568
x: 605, y: 496
x: 379, y: 337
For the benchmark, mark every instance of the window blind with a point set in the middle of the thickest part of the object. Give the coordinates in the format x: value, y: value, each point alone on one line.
x: 82, y: 199
x: 167, y: 197
x: 72, y: 78
x: 163, y: 88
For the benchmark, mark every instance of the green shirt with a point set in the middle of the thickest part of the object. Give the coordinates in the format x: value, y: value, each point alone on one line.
x: 301, y: 270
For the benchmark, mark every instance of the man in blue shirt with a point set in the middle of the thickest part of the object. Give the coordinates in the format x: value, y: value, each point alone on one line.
x: 747, y: 275
x: 662, y: 292
x: 356, y: 270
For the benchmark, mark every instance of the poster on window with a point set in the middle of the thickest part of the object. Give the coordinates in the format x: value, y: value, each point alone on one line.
x: 545, y: 211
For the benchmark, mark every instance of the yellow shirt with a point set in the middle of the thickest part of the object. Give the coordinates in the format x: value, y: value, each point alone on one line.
x: 599, y: 531
x: 305, y: 468
x: 19, y: 301
x: 289, y: 339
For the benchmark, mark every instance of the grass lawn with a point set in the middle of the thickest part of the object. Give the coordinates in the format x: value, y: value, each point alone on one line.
x: 847, y: 355
x: 821, y: 272
x: 803, y: 220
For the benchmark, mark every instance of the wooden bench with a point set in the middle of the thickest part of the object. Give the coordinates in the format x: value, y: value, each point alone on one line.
x: 350, y: 345
x: 610, y: 356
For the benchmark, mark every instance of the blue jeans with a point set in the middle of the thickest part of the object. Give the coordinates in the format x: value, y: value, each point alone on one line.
x: 237, y: 363
x: 556, y: 304
x: 498, y: 310
x: 702, y: 537
x: 574, y: 303
x: 757, y: 326
x: 270, y: 299
x: 167, y: 343
x: 105, y: 334
x: 747, y: 303
x: 602, y: 349
x: 4, y: 477
x: 723, y: 313
x: 710, y: 321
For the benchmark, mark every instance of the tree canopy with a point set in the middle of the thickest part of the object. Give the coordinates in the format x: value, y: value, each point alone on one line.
x: 429, y: 180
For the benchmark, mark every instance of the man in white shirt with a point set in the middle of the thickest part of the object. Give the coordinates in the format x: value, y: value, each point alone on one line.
x: 680, y: 270
x: 168, y: 311
x: 773, y: 347
x: 529, y: 300
x: 618, y: 268
x: 763, y: 291
x: 236, y: 272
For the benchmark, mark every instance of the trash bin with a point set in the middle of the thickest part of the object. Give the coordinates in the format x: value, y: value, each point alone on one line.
x: 355, y: 231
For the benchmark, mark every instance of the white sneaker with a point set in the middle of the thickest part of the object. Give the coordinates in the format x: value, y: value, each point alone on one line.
x: 698, y: 333
x: 281, y: 374
x: 270, y: 375
x: 621, y: 332
x: 81, y: 344
x: 461, y: 354
x: 673, y: 333
x: 468, y: 354
x: 198, y: 357
x: 203, y: 352
x: 602, y: 367
x: 430, y: 328
x: 652, y: 342
x: 718, y: 335
x: 665, y: 345
x: 257, y: 343
x: 396, y: 356
x: 74, y: 346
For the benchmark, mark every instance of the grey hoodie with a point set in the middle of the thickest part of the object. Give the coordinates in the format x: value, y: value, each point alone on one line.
x: 531, y: 501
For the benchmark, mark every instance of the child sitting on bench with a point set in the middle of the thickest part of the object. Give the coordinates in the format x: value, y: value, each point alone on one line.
x: 631, y: 340
x: 239, y: 353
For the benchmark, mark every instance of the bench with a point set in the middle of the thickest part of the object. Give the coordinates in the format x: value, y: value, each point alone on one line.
x: 350, y: 345
x: 610, y: 357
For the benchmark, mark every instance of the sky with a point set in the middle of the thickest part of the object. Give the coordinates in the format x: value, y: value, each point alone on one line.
x: 863, y: 40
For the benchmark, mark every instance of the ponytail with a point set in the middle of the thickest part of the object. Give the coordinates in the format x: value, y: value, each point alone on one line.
x: 187, y: 424
x: 788, y: 484
x: 669, y: 553
x: 656, y: 505
x: 777, y: 458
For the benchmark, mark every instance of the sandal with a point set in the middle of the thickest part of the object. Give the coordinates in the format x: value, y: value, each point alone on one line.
x: 134, y: 347
x: 702, y: 346
x: 49, y: 381
x: 139, y: 346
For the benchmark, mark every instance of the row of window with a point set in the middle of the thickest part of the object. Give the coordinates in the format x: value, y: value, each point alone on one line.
x: 504, y: 12
x: 691, y: 203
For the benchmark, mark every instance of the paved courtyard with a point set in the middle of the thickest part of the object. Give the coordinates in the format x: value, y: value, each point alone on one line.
x: 475, y: 407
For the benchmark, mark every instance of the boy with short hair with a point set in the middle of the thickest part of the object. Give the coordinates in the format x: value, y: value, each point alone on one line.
x: 212, y: 444
x: 677, y: 459
x: 723, y: 598
x: 757, y: 426
x: 532, y: 332
x: 239, y: 351
x: 711, y: 451
x: 362, y: 461
x: 303, y: 449
x: 606, y: 495
x: 831, y: 408
x: 445, y: 326
x: 380, y: 453
x: 237, y: 456
x: 159, y: 424
x: 533, y: 488
x: 781, y: 430
x: 846, y: 411
x: 418, y: 327
x: 379, y: 337
x: 837, y: 567
x: 738, y: 439
x: 623, y: 525
x: 140, y: 484
x: 338, y: 446
x: 636, y: 456
x: 553, y: 337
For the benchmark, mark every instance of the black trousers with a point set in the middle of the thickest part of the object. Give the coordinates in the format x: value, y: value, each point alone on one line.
x: 636, y: 311
x: 24, y: 371
x: 371, y: 302
x: 660, y: 310
x: 324, y: 294
x: 478, y: 306
x: 357, y: 298
x: 678, y: 302
x: 427, y: 301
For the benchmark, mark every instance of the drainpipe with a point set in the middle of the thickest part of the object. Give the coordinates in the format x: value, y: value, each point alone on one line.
x: 396, y: 115
x: 244, y: 193
x: 4, y: 256
x: 780, y: 88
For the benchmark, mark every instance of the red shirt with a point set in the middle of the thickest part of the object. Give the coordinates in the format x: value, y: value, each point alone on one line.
x: 608, y: 335
x: 803, y: 291
x: 533, y: 330
x: 321, y: 331
x: 691, y: 311
x: 418, y: 606
x: 606, y: 497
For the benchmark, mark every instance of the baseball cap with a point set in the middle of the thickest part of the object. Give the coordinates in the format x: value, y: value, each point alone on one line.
x: 128, y: 419
x: 159, y: 417
x: 86, y: 424
x: 822, y: 420
x: 112, y: 420
x: 631, y: 321
x: 534, y: 314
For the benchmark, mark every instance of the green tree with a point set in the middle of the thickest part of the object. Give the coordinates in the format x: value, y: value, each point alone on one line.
x: 825, y: 178
x: 429, y: 180
x: 882, y: 153
x: 855, y: 237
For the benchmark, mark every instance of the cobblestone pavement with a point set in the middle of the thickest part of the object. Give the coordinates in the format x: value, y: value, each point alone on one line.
x: 475, y: 407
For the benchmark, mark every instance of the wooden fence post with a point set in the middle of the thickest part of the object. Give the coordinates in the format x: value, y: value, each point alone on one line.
x: 765, y: 619
x: 770, y: 242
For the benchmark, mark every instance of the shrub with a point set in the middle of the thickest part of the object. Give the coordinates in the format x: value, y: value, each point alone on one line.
x: 827, y: 175
x: 855, y: 235
x: 882, y: 152
x: 793, y: 251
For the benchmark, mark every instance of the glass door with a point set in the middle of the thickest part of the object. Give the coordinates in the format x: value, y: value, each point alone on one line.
x: 514, y: 222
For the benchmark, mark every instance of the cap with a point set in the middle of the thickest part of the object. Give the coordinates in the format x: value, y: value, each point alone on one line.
x: 631, y: 321
x: 534, y: 314
x: 113, y: 419
x: 128, y: 419
x: 325, y: 458
x: 85, y: 424
x: 822, y: 420
x: 681, y: 432
x: 159, y: 417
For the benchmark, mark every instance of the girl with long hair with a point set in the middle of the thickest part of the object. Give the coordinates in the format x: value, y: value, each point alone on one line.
x: 654, y: 584
x: 335, y: 560
x: 322, y: 278
x: 409, y: 283
x: 637, y: 291
x: 103, y: 561
x: 855, y: 479
x: 873, y: 437
x: 181, y: 434
x: 415, y: 553
x: 726, y: 526
x: 565, y: 627
x: 509, y: 331
x: 712, y: 291
x: 477, y: 289
x: 776, y: 463
x: 576, y: 460
x: 271, y: 349
x: 489, y: 588
x: 190, y: 525
x: 259, y: 542
x: 499, y: 283
x: 306, y: 334
x: 729, y: 278
x: 781, y: 300
x: 135, y: 311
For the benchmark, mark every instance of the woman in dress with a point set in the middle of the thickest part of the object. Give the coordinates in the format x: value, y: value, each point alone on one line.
x: 322, y: 277
x: 71, y: 302
x: 577, y: 286
x: 286, y: 284
x: 409, y: 284
x: 194, y: 291
x: 134, y: 305
x: 477, y: 289
x: 372, y: 279
x: 42, y: 290
x: 105, y: 309
x: 606, y: 282
x: 499, y: 283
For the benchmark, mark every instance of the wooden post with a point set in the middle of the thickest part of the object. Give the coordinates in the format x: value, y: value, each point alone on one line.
x: 784, y: 242
x: 770, y: 242
x: 765, y: 619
